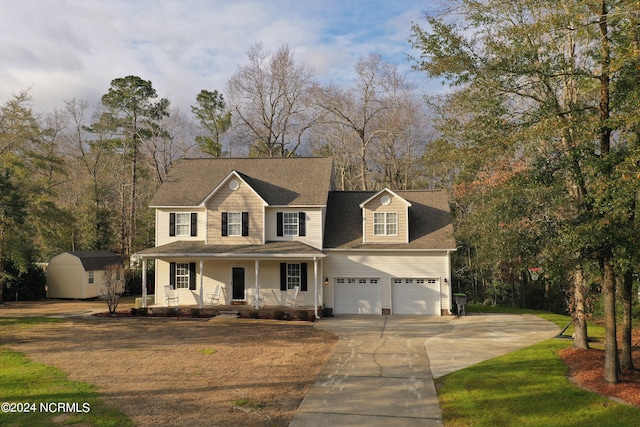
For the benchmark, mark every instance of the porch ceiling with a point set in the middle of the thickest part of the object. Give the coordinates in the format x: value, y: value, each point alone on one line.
x: 200, y: 250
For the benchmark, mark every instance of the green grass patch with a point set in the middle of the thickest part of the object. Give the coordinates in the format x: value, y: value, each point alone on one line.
x: 40, y: 395
x: 245, y: 402
x: 478, y: 308
x: 528, y: 387
x: 25, y: 322
x: 208, y: 351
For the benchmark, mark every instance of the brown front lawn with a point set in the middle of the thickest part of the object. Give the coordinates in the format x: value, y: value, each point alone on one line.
x: 186, y: 372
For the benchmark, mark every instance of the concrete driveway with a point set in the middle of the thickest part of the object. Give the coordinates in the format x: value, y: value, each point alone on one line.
x: 382, y: 370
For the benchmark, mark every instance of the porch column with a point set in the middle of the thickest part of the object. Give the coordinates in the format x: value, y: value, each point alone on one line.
x: 144, y: 283
x: 322, y: 276
x: 201, y: 282
x: 450, y: 285
x: 315, y: 286
x: 257, y: 298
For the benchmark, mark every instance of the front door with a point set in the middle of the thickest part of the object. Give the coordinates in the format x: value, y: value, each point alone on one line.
x: 237, y: 283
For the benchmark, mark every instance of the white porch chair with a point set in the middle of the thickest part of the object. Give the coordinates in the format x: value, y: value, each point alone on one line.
x: 290, y: 297
x: 260, y: 300
x: 214, y: 298
x: 171, y: 296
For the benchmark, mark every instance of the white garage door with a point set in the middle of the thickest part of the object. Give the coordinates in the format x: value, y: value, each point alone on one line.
x: 415, y: 296
x: 357, y: 296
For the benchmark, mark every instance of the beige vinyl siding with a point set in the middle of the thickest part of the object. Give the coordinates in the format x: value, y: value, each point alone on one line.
x: 162, y: 225
x: 314, y: 225
x: 218, y: 272
x: 396, y: 205
x: 214, y: 273
x: 92, y: 291
x: 386, y: 266
x: 98, y: 288
x: 243, y: 199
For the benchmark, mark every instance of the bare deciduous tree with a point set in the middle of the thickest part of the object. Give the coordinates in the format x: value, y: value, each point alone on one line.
x: 269, y: 97
x: 404, y: 125
x: 384, y: 118
x: 173, y: 139
x: 113, y: 285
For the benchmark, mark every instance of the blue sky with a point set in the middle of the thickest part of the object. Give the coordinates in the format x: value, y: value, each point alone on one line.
x: 63, y: 49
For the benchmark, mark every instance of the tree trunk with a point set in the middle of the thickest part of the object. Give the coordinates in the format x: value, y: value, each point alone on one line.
x: 123, y: 209
x: 605, y: 80
x: 132, y: 207
x: 581, y: 339
x: 611, y: 361
x: 626, y: 359
x: 363, y: 163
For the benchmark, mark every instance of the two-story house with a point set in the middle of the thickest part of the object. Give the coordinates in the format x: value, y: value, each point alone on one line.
x: 262, y: 227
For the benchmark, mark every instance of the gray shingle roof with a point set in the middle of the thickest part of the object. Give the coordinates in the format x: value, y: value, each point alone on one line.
x: 96, y: 260
x: 430, y: 223
x: 279, y: 181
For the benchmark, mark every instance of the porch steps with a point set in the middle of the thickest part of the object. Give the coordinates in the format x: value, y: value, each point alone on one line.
x: 229, y: 314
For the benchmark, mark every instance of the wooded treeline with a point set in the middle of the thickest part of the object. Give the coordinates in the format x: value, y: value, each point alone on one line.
x: 81, y: 177
x: 541, y: 136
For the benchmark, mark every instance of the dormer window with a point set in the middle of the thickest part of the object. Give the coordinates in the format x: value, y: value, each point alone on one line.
x: 385, y: 224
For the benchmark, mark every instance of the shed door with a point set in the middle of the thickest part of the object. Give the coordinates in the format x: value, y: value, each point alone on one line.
x: 357, y: 296
x: 415, y: 296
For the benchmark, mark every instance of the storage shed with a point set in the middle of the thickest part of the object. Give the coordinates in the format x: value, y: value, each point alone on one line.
x: 78, y: 275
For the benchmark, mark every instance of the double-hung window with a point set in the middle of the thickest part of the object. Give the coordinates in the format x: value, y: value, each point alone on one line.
x: 385, y: 224
x: 235, y: 223
x: 291, y: 224
x: 183, y: 224
x: 293, y: 275
x: 182, y: 275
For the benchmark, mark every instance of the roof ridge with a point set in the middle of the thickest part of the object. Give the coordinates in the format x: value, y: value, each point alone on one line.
x: 432, y: 190
x: 428, y: 190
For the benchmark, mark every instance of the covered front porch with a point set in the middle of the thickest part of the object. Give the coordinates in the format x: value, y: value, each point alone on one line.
x: 276, y: 274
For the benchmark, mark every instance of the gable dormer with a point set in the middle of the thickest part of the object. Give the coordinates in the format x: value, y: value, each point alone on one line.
x: 385, y: 218
x: 235, y: 213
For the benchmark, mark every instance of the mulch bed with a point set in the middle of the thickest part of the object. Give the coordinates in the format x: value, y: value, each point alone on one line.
x: 243, y: 312
x: 586, y: 368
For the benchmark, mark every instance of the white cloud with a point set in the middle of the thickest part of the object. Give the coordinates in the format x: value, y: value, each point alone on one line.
x: 66, y: 49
